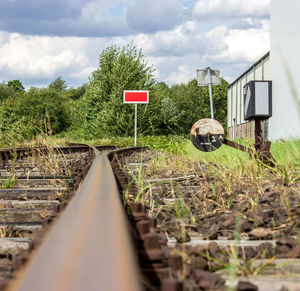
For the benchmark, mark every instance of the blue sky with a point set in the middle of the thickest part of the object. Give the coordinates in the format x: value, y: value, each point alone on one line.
x: 43, y: 39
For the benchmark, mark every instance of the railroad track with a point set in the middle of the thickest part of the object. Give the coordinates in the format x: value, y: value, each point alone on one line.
x: 91, y: 244
x: 37, y: 183
x: 115, y: 233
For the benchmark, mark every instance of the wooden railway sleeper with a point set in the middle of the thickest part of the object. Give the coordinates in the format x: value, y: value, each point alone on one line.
x: 156, y: 267
x: 154, y: 264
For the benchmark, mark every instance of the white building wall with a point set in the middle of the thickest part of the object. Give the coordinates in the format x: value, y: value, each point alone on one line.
x: 285, y: 59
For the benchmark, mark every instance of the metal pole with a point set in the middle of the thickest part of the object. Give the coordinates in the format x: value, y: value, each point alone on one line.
x: 135, y: 124
x: 210, y: 94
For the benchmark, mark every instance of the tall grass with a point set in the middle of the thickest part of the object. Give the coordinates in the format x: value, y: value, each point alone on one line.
x: 286, y: 153
x: 172, y: 144
x: 225, y: 156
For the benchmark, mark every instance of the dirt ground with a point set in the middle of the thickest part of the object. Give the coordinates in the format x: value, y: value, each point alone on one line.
x: 202, y: 207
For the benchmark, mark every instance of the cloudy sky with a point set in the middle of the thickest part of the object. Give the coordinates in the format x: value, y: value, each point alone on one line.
x: 43, y: 39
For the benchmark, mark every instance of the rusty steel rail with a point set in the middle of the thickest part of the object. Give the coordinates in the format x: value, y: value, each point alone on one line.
x: 18, y: 153
x: 89, y: 247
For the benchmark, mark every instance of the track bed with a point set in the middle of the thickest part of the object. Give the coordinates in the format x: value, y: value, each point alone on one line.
x: 221, y: 230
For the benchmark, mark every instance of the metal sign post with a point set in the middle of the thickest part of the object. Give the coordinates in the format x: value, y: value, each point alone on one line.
x: 209, y: 77
x: 135, y: 97
x: 210, y: 94
x: 135, y: 124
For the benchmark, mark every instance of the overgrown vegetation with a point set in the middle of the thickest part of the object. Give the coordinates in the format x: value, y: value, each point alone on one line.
x: 96, y: 110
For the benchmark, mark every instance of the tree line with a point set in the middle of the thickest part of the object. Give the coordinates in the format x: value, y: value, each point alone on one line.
x: 96, y: 109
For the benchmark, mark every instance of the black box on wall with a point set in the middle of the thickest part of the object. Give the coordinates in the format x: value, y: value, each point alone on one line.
x: 258, y: 100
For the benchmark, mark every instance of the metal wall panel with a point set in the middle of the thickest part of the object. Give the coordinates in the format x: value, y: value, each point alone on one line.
x: 258, y: 71
x: 234, y: 102
x: 229, y: 113
x: 250, y: 76
x: 238, y: 101
x: 266, y: 69
x: 234, y: 109
x: 243, y: 83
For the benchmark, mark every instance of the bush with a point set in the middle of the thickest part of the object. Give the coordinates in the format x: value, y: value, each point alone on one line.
x: 32, y: 112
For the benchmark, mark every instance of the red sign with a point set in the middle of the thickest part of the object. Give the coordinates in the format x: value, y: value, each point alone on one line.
x: 135, y: 96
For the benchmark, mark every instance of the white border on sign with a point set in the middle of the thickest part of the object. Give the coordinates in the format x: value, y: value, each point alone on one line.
x: 133, y: 102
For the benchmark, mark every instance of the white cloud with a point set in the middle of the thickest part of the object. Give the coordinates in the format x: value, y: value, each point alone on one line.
x: 182, y: 75
x: 214, y: 40
x: 182, y: 40
x: 239, y: 45
x: 28, y: 57
x: 176, y: 46
x: 178, y: 53
x: 82, y: 73
x: 231, y: 8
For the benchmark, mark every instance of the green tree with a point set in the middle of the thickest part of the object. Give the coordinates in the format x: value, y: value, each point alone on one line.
x: 220, y: 102
x: 46, y: 109
x: 171, y: 117
x: 58, y: 84
x: 191, y: 102
x: 165, y: 115
x: 119, y: 69
x: 76, y: 93
x: 16, y: 85
x: 14, y: 128
x: 6, y: 92
x: 11, y: 89
x: 162, y: 90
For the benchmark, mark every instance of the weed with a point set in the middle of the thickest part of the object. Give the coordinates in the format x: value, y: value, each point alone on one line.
x: 2, y: 232
x: 230, y: 202
x: 143, y: 186
x: 285, y: 173
x: 9, y: 182
x: 48, y: 158
x: 284, y: 197
x: 213, y: 189
x: 234, y: 261
x: 193, y: 220
x: 181, y: 209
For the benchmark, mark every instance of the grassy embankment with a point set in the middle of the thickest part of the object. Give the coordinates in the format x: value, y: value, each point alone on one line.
x: 286, y: 153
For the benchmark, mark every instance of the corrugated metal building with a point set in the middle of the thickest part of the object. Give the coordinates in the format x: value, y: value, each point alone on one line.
x: 236, y: 125
x: 282, y: 66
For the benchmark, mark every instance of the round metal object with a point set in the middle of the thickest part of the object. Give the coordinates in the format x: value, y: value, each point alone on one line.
x: 207, y: 134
